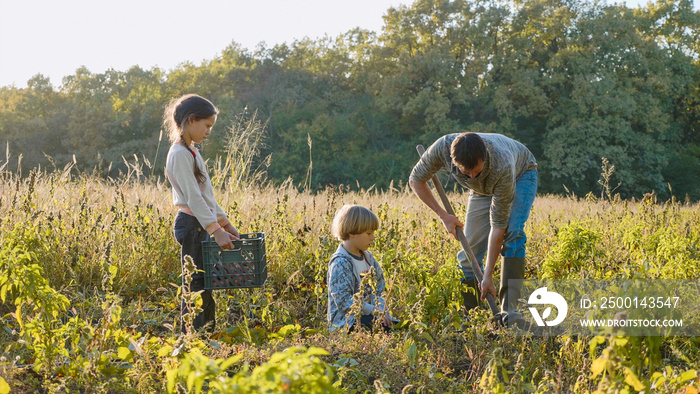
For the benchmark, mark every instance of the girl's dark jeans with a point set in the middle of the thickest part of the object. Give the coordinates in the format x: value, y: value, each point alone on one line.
x: 190, y: 234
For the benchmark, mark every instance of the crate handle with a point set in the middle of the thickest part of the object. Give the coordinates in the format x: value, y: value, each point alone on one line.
x: 230, y: 250
x: 252, y: 239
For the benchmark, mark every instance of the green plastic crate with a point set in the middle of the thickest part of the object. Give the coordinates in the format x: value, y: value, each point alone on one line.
x: 242, y: 267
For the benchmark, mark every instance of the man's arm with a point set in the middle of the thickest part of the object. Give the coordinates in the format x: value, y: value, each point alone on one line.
x: 503, y: 195
x: 496, y: 236
x: 451, y: 222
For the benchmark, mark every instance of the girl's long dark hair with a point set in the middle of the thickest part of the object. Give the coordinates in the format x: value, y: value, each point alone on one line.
x: 179, y: 111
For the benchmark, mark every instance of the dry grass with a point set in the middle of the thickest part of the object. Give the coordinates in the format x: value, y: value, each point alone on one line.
x: 76, y: 217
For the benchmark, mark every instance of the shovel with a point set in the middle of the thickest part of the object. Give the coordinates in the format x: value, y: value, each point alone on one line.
x: 462, y: 238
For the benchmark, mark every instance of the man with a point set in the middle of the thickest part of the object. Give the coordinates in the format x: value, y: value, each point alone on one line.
x: 501, y: 174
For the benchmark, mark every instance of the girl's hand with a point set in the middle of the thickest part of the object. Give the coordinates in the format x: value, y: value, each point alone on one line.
x: 233, y: 231
x: 223, y: 239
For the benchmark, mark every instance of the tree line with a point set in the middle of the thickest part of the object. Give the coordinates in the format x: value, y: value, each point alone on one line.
x: 573, y: 80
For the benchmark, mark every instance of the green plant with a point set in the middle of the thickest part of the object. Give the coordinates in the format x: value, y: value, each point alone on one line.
x: 623, y: 363
x: 494, y: 378
x: 100, y: 254
x: 294, y: 370
x: 38, y: 307
x: 577, y: 246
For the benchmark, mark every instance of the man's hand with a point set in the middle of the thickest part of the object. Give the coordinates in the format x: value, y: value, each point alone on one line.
x: 486, y: 286
x: 451, y: 223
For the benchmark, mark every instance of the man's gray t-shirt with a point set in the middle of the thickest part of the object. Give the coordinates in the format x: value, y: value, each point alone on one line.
x: 506, y: 160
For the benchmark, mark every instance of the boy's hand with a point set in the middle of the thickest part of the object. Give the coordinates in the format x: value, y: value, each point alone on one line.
x: 386, y: 320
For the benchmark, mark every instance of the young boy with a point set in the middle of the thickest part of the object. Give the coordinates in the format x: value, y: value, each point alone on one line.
x: 354, y: 226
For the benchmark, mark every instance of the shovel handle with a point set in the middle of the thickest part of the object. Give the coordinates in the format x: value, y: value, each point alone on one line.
x: 460, y: 235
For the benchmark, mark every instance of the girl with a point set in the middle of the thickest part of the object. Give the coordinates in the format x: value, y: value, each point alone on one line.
x: 354, y: 226
x: 189, y: 120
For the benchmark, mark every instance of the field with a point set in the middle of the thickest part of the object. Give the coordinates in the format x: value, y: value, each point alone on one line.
x: 90, y: 287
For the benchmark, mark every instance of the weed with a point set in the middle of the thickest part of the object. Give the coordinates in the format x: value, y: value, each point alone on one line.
x: 91, y: 290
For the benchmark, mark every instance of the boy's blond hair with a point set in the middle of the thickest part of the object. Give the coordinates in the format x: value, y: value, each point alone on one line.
x: 353, y: 219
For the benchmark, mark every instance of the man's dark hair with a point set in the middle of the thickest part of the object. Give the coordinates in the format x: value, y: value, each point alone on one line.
x: 467, y: 149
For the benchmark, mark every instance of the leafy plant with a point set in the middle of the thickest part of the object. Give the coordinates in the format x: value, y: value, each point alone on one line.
x: 294, y: 370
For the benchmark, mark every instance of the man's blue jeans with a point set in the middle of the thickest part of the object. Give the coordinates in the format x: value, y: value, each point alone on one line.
x: 478, y: 224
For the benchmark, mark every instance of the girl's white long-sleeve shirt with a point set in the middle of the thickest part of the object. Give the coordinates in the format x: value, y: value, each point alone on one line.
x: 188, y: 195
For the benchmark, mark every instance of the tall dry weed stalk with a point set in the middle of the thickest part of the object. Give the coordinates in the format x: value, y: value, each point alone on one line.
x: 310, y: 171
x: 606, y: 174
x: 242, y: 166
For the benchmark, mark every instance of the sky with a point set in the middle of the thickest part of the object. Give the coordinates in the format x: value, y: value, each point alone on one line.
x: 55, y: 37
